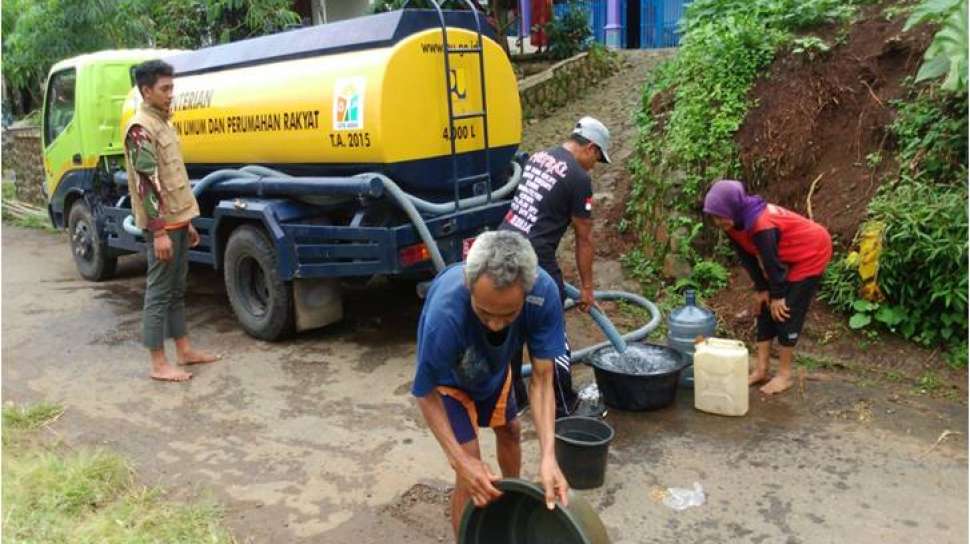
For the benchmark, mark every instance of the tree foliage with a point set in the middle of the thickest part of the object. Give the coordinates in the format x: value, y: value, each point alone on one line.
x: 947, y: 54
x: 570, y: 33
x: 39, y: 33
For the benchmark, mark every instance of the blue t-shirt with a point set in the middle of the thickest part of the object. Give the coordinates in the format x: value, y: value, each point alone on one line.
x: 452, y: 346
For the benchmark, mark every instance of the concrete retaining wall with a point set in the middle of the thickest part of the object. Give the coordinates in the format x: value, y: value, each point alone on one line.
x: 23, y: 163
x: 543, y: 93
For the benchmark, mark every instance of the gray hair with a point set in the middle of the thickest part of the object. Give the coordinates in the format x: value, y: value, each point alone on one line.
x: 505, y: 256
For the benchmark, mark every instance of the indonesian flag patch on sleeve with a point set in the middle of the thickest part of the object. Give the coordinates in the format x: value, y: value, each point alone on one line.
x: 589, y: 204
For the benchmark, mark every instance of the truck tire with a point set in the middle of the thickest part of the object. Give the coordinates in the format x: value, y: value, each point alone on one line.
x: 263, y: 303
x: 92, y: 257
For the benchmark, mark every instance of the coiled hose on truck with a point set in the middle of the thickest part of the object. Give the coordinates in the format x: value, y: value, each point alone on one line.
x: 413, y: 206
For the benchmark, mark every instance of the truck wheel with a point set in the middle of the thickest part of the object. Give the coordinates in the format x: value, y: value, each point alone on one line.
x: 92, y: 256
x: 263, y: 303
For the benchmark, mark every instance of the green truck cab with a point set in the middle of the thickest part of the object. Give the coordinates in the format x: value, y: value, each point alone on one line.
x: 81, y: 134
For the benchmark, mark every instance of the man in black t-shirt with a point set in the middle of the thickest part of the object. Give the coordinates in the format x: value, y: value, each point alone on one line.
x: 555, y: 192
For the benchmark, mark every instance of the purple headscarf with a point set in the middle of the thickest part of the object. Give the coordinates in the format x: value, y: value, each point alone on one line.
x: 727, y: 198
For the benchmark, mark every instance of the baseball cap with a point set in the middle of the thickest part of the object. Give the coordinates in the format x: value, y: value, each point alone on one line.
x: 596, y: 132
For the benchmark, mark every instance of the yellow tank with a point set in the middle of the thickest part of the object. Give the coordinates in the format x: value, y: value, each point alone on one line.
x: 367, y: 94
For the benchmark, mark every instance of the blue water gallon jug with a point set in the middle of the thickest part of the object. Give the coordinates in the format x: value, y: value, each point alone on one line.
x: 684, y: 325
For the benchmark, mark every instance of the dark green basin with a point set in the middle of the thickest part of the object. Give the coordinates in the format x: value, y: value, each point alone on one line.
x: 520, y: 516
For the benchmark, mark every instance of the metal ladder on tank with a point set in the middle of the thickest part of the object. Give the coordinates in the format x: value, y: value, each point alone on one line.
x: 479, y: 50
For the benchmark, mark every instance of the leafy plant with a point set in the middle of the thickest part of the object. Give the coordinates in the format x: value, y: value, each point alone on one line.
x: 570, y: 33
x: 707, y: 277
x: 892, y: 12
x: 863, y: 314
x: 639, y: 267
x: 873, y: 160
x: 786, y: 14
x: 866, y: 311
x: 948, y: 52
x: 810, y: 46
x: 923, y: 266
x: 931, y: 131
x: 958, y: 356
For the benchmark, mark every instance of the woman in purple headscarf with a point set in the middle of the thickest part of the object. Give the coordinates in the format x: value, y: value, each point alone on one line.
x: 785, y: 254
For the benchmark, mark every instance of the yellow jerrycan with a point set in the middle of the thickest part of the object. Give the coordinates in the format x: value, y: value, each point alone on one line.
x: 721, y: 377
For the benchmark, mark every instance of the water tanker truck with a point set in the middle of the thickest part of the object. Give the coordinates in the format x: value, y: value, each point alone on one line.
x: 380, y: 145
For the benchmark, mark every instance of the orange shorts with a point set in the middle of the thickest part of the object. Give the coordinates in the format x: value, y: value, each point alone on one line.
x: 494, y: 411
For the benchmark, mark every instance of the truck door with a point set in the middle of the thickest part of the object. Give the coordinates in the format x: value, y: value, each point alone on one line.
x: 62, y: 132
x: 111, y: 85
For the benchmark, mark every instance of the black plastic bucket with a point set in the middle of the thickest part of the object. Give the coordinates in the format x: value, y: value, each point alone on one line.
x: 582, y: 445
x: 638, y: 392
x: 520, y: 516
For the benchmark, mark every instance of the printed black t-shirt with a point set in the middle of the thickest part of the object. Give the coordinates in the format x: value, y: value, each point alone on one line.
x: 553, y: 190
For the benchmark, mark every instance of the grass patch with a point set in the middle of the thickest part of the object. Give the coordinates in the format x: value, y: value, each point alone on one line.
x: 895, y: 376
x: 633, y: 312
x: 814, y: 362
x: 39, y: 221
x: 928, y: 383
x: 30, y: 417
x: 55, y: 495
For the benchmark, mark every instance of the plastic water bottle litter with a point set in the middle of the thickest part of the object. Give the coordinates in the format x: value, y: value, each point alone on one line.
x: 680, y: 498
x: 590, y: 393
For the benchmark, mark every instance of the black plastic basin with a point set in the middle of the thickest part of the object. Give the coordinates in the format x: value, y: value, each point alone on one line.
x: 582, y: 446
x: 638, y: 392
x: 520, y: 516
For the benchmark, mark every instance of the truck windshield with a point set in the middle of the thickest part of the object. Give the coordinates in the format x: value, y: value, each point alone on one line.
x: 60, y: 104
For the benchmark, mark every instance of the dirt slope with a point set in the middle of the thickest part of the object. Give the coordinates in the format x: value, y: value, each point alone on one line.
x: 821, y: 119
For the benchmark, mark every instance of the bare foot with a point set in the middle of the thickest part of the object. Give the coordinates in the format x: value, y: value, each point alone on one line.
x: 758, y: 376
x: 778, y: 384
x: 168, y: 374
x: 197, y: 358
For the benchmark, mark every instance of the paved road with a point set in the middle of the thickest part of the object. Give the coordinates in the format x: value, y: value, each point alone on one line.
x: 316, y: 440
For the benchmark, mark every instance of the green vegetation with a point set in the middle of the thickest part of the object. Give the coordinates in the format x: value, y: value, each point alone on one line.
x: 928, y: 382
x: 32, y: 221
x: 693, y: 105
x: 947, y: 55
x: 87, y: 496
x: 569, y: 34
x: 923, y: 267
x: 894, y: 376
x: 30, y: 418
x: 38, y: 33
x: 819, y: 362
x: 380, y: 6
x: 707, y: 278
x: 923, y: 264
x: 810, y: 47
